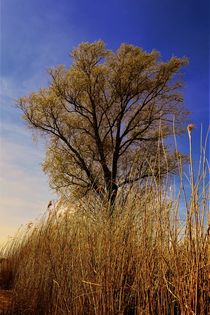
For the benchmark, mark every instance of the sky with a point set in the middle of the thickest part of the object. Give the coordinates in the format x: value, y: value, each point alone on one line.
x: 38, y: 34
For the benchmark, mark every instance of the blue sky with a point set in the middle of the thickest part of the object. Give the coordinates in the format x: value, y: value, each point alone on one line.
x: 37, y: 34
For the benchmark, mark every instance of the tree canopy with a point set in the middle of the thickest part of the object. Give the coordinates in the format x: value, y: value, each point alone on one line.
x: 104, y: 116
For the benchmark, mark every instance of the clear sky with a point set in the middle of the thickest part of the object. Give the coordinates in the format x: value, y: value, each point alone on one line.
x: 37, y: 34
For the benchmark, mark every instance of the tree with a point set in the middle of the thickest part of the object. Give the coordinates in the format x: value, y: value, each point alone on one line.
x: 102, y: 118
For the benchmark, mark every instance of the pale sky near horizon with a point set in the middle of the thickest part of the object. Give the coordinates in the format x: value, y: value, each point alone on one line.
x: 38, y: 34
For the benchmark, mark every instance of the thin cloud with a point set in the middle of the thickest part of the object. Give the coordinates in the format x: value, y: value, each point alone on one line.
x: 24, y: 189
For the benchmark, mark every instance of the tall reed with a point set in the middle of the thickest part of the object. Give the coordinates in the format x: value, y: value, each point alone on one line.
x: 143, y: 260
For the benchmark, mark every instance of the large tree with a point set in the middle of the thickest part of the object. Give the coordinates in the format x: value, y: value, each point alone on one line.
x: 104, y: 117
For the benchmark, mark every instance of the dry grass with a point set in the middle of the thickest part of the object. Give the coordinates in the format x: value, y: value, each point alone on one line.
x: 144, y: 260
x: 5, y: 301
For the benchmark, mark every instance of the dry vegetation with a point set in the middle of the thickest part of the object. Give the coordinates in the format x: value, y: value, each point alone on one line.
x: 143, y: 260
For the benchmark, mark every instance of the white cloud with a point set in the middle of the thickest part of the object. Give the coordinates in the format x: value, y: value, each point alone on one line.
x: 9, y: 88
x: 12, y: 89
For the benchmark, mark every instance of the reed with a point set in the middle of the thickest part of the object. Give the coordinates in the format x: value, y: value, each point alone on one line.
x: 143, y: 260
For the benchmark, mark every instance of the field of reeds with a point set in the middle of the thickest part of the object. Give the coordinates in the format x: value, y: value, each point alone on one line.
x: 152, y: 257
